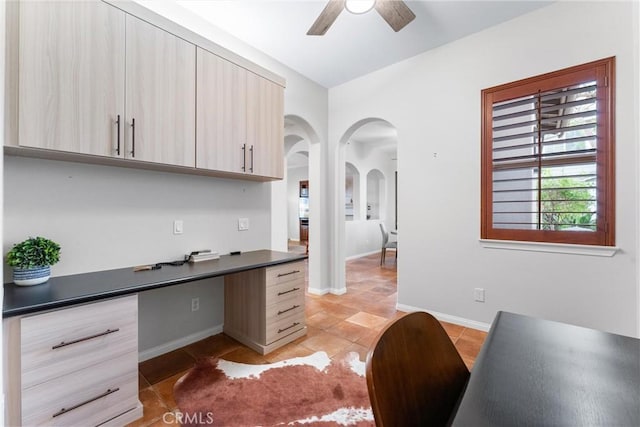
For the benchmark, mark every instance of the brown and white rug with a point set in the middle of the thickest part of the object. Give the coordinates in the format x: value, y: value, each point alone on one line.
x: 312, y: 390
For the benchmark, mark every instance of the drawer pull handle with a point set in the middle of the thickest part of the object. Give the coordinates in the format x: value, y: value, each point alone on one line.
x: 65, y: 410
x: 101, y: 334
x: 289, y: 291
x: 288, y: 309
x: 291, y: 272
x: 288, y: 327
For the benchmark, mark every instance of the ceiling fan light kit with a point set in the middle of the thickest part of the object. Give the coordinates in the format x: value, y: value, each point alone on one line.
x: 359, y: 6
x: 395, y: 12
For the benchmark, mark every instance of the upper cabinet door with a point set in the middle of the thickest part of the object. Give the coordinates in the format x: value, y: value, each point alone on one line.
x: 71, y: 76
x: 265, y: 127
x: 221, y: 114
x: 160, y: 95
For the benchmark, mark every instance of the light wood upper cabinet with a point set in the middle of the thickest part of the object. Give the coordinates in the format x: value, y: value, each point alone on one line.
x: 160, y: 110
x: 71, y: 76
x: 88, y: 78
x: 265, y: 126
x: 221, y: 114
x: 240, y: 119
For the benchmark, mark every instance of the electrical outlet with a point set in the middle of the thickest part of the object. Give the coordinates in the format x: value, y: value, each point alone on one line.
x: 178, y: 226
x: 195, y: 304
x: 478, y: 294
x: 243, y: 224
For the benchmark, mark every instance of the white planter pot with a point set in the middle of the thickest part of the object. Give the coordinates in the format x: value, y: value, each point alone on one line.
x: 31, y: 276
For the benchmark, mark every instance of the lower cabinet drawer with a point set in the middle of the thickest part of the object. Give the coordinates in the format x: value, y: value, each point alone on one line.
x: 90, y: 396
x: 285, y: 326
x: 285, y: 273
x: 284, y: 291
x: 62, y: 341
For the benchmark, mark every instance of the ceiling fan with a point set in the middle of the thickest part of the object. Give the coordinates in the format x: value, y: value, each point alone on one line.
x: 395, y: 12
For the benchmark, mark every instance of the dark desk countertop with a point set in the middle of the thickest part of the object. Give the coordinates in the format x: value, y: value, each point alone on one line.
x: 64, y: 291
x: 534, y: 372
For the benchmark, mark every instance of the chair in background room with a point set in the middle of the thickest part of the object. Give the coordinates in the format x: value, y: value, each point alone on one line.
x: 415, y: 375
x: 386, y: 244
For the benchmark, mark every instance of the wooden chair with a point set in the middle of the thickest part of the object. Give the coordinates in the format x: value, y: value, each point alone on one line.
x: 386, y: 244
x: 415, y: 375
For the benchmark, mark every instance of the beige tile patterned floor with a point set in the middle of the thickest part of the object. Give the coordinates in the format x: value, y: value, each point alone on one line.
x: 336, y: 324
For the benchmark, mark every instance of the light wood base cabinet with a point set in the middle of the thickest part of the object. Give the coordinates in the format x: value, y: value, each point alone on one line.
x: 264, y: 308
x: 73, y: 366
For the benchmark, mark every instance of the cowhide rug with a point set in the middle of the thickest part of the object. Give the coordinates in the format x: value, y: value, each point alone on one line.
x: 312, y: 390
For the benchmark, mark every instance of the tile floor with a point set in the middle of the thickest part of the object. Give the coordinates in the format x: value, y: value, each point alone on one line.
x: 337, y: 324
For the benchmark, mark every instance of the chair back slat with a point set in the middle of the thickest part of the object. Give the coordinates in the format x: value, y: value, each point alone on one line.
x: 415, y: 375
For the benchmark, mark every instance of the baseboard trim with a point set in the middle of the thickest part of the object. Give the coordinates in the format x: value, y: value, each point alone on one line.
x: 467, y: 323
x: 175, y: 344
x: 352, y: 257
x: 316, y: 291
x: 341, y: 291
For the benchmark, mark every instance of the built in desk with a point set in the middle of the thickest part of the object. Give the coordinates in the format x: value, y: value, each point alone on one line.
x: 65, y: 291
x: 71, y: 344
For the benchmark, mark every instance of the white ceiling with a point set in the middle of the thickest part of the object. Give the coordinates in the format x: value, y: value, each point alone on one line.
x: 355, y: 45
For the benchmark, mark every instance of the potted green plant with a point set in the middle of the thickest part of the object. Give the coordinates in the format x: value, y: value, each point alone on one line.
x: 32, y: 260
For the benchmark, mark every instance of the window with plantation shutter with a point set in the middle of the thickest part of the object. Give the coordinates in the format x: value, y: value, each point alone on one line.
x: 548, y: 157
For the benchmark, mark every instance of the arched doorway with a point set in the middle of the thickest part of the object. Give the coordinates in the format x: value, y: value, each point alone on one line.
x: 369, y: 146
x: 297, y: 176
x: 302, y: 145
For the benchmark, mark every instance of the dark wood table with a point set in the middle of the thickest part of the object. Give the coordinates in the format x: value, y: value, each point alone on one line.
x: 534, y: 372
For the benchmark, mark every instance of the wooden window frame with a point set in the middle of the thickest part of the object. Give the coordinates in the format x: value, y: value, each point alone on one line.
x: 603, y: 72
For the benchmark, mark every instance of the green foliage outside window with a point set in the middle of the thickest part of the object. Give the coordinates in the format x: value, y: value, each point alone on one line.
x: 566, y: 205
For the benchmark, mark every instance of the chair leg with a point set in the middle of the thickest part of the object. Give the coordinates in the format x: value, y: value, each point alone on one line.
x: 382, y: 255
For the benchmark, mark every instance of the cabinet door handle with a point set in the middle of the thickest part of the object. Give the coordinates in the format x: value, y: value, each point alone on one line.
x: 291, y: 272
x: 93, y: 399
x: 244, y: 157
x: 133, y: 137
x: 101, y: 334
x: 118, y: 130
x: 288, y: 327
x: 288, y: 309
x: 251, y: 168
x: 287, y: 292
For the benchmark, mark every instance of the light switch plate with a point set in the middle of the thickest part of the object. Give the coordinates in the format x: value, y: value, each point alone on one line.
x: 478, y: 294
x: 178, y: 226
x: 243, y: 224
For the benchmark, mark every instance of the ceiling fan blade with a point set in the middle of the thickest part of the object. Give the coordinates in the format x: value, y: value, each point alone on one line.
x: 326, y: 18
x: 395, y: 12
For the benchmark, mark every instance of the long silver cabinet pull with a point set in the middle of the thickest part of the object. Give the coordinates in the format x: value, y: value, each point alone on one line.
x: 288, y: 327
x: 251, y: 168
x: 93, y: 399
x: 244, y: 157
x: 287, y: 292
x: 291, y: 272
x: 133, y: 137
x: 118, y: 146
x: 288, y: 309
x: 101, y: 334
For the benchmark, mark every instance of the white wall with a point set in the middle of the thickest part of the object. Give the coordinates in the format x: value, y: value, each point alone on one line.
x: 636, y: 68
x: 363, y: 236
x: 106, y: 217
x: 434, y: 102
